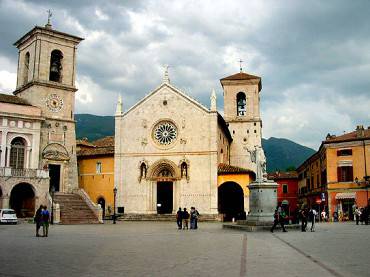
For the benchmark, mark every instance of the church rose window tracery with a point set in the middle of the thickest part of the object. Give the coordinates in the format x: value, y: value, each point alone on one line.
x: 165, y: 133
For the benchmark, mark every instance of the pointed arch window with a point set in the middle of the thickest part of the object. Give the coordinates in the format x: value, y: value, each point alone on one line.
x: 55, y: 73
x: 241, y: 104
x: 17, y: 153
x: 26, y: 68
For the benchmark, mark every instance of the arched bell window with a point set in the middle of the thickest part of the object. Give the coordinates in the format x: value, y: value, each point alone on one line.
x: 241, y: 104
x: 55, y: 73
x: 17, y: 153
x: 26, y: 67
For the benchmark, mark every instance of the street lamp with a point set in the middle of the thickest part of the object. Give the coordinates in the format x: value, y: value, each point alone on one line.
x: 52, y: 203
x: 114, y: 205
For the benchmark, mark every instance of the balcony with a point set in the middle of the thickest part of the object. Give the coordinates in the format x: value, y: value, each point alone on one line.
x: 23, y: 172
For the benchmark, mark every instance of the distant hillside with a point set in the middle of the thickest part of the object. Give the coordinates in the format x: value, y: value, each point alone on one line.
x: 94, y: 127
x: 280, y: 153
x: 283, y: 153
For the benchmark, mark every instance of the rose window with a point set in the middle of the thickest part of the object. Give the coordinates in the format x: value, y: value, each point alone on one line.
x: 165, y: 133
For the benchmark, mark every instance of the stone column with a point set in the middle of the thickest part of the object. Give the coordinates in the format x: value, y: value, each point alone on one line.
x: 5, y: 202
x: 8, y: 156
x: 3, y: 148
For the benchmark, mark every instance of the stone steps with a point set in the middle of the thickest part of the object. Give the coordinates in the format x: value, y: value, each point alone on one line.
x: 74, y: 209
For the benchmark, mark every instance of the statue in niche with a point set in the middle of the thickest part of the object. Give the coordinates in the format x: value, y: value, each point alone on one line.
x: 143, y: 171
x: 184, y: 170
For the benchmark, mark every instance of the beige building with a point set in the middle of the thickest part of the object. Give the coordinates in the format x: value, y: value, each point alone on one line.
x: 169, y: 148
x: 37, y: 127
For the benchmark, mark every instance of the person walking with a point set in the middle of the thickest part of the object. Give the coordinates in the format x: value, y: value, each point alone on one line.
x: 304, y: 219
x: 179, y: 218
x: 312, y: 217
x: 38, y: 220
x: 185, y: 219
x: 196, y: 218
x: 357, y: 214
x: 45, y: 215
x: 279, y: 217
x: 366, y: 215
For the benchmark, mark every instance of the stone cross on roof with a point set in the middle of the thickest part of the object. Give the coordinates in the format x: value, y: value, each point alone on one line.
x: 166, y: 78
x: 240, y: 65
x: 50, y: 14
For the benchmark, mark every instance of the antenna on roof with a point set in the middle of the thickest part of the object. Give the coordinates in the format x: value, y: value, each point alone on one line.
x: 50, y: 14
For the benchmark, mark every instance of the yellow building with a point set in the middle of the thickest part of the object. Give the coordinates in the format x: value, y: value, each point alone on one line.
x: 337, y: 176
x: 233, y: 192
x: 96, y: 171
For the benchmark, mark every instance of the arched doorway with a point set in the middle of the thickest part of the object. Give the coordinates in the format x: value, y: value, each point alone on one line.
x: 231, y: 201
x: 22, y: 200
x: 101, y: 202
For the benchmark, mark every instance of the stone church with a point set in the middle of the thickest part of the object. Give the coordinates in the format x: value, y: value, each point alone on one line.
x: 171, y: 151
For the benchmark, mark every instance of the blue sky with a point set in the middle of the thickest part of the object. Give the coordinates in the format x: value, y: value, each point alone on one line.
x: 313, y: 56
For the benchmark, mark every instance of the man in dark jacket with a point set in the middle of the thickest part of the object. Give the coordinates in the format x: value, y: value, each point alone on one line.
x: 304, y: 214
x: 38, y: 220
x: 179, y: 218
x: 185, y: 219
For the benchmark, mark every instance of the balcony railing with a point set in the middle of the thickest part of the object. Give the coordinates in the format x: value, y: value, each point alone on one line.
x: 23, y: 172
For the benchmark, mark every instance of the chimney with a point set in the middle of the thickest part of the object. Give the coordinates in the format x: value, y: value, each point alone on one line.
x: 360, y: 131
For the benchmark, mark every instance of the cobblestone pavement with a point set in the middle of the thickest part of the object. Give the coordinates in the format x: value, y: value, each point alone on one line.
x: 159, y: 249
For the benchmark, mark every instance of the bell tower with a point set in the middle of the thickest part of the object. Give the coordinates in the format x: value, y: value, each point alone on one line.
x: 242, y: 113
x: 46, y: 79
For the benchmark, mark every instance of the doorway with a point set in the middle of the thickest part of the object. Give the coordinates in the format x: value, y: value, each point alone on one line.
x: 164, y: 197
x: 22, y: 200
x: 54, y: 174
x: 231, y: 201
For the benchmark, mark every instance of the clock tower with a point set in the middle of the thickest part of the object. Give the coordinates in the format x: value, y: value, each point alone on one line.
x: 46, y: 79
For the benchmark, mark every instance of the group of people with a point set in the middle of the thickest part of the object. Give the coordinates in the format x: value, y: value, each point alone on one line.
x: 362, y: 215
x: 42, y: 218
x: 183, y: 216
x: 305, y: 215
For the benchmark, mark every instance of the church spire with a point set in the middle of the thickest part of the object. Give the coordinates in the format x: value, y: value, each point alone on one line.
x: 119, y: 110
x: 166, y: 78
x: 213, y: 101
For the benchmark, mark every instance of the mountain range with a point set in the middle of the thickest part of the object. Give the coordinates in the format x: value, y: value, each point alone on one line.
x: 281, y: 154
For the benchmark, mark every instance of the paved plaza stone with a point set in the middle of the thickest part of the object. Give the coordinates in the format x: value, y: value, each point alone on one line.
x: 159, y: 249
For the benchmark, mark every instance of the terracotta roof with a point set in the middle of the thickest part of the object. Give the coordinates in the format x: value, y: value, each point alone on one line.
x: 6, y: 98
x: 97, y: 151
x: 103, y: 146
x: 283, y: 175
x: 355, y: 135
x: 229, y: 169
x: 84, y: 142
x: 242, y: 76
x: 104, y: 142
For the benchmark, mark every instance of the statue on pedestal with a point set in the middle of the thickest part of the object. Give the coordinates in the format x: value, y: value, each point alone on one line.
x: 258, y: 157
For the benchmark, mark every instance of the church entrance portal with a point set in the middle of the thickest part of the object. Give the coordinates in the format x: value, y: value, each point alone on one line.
x: 22, y: 200
x: 54, y: 173
x: 164, y: 197
x: 231, y: 201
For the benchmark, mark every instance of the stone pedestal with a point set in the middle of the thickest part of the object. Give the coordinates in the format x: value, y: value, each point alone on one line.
x: 262, y: 203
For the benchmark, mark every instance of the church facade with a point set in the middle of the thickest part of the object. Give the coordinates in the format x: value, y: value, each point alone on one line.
x: 171, y: 151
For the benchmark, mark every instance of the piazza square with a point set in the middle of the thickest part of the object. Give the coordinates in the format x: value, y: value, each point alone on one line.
x: 156, y: 138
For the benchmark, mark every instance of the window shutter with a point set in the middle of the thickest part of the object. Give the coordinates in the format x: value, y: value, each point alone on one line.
x: 350, y: 174
x: 339, y: 174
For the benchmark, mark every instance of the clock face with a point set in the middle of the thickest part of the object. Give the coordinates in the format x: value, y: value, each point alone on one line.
x: 54, y: 103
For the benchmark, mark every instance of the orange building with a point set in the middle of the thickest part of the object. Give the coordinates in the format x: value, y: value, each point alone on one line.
x: 337, y: 176
x: 95, y: 163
